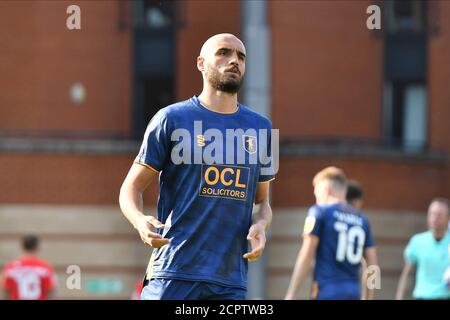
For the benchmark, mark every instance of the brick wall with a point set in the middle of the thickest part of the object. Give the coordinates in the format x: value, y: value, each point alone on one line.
x: 326, y: 70
x: 41, y: 59
x: 438, y: 78
x: 65, y: 178
x: 202, y: 19
x: 390, y: 184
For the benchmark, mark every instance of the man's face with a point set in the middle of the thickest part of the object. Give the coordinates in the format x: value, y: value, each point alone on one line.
x: 438, y: 216
x: 224, y: 62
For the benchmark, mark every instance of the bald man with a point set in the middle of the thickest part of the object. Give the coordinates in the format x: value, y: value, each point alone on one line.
x: 212, y: 157
x: 429, y: 254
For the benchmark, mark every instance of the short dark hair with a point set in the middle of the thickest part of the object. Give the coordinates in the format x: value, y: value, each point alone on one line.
x: 354, y: 191
x: 30, y: 242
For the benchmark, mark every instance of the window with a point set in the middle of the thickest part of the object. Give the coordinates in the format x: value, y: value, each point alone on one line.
x: 414, y: 117
x: 406, y: 115
x: 154, y: 14
x: 405, y: 69
x: 153, y: 59
x: 157, y: 93
x: 405, y: 16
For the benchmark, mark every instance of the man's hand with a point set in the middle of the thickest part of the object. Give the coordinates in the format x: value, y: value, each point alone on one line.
x: 257, y: 238
x: 144, y: 226
x: 132, y: 205
x: 261, y: 221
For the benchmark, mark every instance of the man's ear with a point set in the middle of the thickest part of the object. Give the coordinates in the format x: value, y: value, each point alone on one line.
x: 201, y: 64
x: 328, y: 190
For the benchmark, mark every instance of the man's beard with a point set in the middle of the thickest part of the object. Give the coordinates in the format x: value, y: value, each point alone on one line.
x: 222, y: 82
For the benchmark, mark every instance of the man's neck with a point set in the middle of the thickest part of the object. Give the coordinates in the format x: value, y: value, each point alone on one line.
x: 29, y: 255
x: 332, y: 200
x: 438, y: 234
x: 218, y: 101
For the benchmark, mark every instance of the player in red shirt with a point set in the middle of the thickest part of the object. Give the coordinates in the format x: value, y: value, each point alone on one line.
x: 29, y: 277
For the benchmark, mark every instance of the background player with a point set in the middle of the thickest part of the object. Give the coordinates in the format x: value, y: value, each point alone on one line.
x: 336, y: 236
x: 355, y: 198
x: 429, y: 253
x: 355, y: 194
x: 29, y: 277
x: 204, y: 210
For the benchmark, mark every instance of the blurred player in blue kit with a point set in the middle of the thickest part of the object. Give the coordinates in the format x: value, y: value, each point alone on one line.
x: 204, y: 212
x: 337, y: 236
x: 355, y: 198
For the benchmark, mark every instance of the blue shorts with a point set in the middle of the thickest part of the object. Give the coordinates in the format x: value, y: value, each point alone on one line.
x: 172, y: 289
x: 339, y: 291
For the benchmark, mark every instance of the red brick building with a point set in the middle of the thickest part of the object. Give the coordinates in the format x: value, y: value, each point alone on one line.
x: 333, y: 95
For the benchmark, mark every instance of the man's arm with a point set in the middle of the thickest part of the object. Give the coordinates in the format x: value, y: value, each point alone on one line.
x: 132, y: 205
x: 370, y: 256
x: 261, y: 222
x: 363, y: 279
x: 403, y: 279
x: 303, y: 264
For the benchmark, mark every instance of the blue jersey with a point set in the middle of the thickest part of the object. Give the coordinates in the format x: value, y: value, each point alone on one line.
x: 343, y: 235
x: 208, y: 177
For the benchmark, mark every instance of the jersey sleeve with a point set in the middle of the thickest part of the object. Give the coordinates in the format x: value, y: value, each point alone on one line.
x: 7, y: 282
x: 267, y: 167
x: 410, y: 253
x: 369, y: 242
x: 154, y: 148
x: 313, y: 222
x: 50, y: 281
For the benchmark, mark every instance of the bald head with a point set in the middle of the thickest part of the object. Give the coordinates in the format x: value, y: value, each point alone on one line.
x: 438, y: 214
x: 213, y: 43
x: 222, y: 63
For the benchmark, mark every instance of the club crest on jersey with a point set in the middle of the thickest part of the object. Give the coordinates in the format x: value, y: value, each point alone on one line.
x: 249, y: 143
x: 310, y: 222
